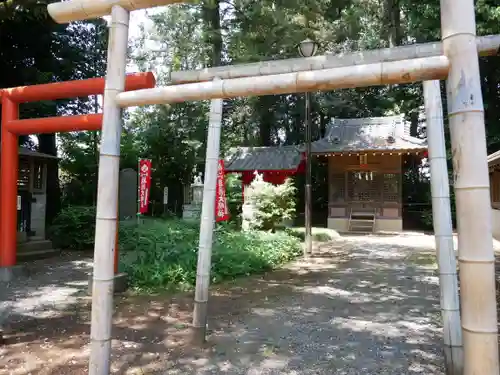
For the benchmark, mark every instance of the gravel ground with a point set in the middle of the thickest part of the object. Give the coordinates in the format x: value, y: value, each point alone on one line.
x: 363, y: 305
x: 51, y: 285
x: 369, y: 309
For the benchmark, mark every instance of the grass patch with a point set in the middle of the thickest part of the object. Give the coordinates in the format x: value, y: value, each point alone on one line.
x: 318, y: 234
x: 163, y: 254
x: 423, y: 259
x: 73, y: 228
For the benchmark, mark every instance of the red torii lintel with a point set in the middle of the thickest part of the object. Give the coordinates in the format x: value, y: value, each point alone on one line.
x: 12, y: 127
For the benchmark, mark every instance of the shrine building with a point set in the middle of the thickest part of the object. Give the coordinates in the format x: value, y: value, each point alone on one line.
x: 366, y: 158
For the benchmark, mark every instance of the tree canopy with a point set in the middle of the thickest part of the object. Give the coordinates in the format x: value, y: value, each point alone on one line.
x: 212, y: 33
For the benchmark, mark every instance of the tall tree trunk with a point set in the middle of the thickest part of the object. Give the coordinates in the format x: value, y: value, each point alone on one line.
x: 266, y: 117
x: 392, y: 19
x: 323, y: 124
x: 47, y: 145
x: 213, y: 36
x: 246, y: 137
x: 413, y: 118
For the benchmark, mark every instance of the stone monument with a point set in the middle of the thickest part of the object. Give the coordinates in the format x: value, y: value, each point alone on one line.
x: 192, y: 210
x: 128, y: 194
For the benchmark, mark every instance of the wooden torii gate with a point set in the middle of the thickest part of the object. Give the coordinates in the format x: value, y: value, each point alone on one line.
x: 455, y: 60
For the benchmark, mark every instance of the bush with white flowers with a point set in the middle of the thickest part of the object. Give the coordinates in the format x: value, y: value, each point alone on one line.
x: 268, y: 206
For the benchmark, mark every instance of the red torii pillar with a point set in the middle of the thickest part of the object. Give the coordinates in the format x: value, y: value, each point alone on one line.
x: 12, y: 127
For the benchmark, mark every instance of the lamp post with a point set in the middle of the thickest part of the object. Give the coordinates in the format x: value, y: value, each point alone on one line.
x: 308, y: 48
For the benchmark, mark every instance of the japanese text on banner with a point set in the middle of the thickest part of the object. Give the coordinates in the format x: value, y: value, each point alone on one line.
x: 144, y: 184
x: 221, y: 209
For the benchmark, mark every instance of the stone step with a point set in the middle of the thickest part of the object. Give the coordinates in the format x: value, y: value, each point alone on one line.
x: 361, y: 229
x: 37, y: 238
x: 36, y: 249
x: 34, y: 245
x: 38, y: 254
x: 362, y: 213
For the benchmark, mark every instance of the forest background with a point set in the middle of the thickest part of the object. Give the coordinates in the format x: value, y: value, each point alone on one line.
x: 34, y: 49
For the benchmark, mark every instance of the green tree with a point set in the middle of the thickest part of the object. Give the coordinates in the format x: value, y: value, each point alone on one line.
x: 215, y: 32
x: 34, y: 49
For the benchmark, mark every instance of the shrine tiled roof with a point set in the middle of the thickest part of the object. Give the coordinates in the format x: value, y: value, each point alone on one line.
x: 367, y: 134
x: 23, y: 151
x: 343, y: 135
x: 494, y: 159
x: 284, y: 158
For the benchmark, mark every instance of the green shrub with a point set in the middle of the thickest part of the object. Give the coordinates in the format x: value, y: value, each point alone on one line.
x: 270, y: 205
x: 74, y: 228
x: 163, y: 254
x: 318, y: 234
x: 234, y: 198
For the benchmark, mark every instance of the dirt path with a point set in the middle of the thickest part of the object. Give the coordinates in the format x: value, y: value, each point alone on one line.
x: 366, y: 305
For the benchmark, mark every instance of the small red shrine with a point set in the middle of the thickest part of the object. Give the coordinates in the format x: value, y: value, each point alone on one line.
x: 275, y: 164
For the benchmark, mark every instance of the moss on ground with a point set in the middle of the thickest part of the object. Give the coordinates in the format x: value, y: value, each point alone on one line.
x: 318, y: 234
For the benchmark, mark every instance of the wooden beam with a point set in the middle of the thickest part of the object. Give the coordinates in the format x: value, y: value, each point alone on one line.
x: 486, y: 45
x: 79, y: 10
x: 404, y: 71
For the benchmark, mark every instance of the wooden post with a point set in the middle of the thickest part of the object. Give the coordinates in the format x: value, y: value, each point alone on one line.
x: 443, y: 230
x: 308, y: 187
x: 116, y: 259
x: 8, y: 198
x: 207, y: 223
x: 470, y: 169
x: 107, y: 197
x: 138, y: 191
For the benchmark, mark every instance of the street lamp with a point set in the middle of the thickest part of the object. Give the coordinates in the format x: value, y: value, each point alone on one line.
x: 308, y: 48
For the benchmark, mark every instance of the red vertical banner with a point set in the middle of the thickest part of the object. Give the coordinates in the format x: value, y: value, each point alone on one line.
x: 221, y: 209
x: 144, y: 184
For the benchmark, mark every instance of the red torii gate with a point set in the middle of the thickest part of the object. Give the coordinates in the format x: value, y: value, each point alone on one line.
x: 12, y: 127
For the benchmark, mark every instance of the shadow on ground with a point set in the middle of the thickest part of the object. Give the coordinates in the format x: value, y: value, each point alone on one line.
x: 360, y: 307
